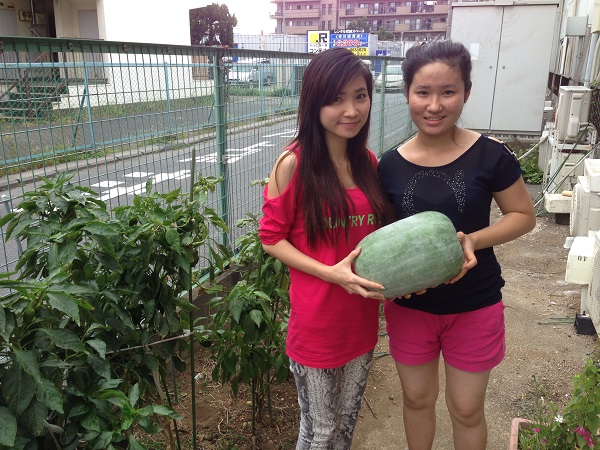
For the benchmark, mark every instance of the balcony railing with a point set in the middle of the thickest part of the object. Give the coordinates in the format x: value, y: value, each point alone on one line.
x: 293, y: 14
x: 428, y: 9
x: 372, y: 11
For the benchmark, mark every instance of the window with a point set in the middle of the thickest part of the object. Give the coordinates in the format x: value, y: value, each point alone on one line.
x: 329, y: 24
x: 308, y: 6
x: 308, y: 23
x: 330, y: 8
x: 322, y: 25
x: 323, y: 9
x: 298, y: 23
x: 390, y: 25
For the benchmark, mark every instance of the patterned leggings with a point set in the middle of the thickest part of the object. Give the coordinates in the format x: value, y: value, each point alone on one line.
x: 330, y: 400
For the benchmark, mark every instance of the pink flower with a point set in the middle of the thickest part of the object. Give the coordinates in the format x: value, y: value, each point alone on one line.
x: 582, y: 431
x: 543, y: 440
x: 536, y: 430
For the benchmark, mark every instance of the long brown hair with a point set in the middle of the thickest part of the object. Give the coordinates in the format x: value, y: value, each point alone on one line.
x: 321, y: 191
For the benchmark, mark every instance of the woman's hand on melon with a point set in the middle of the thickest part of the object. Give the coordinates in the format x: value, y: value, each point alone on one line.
x: 469, y: 260
x: 342, y: 275
x: 407, y: 296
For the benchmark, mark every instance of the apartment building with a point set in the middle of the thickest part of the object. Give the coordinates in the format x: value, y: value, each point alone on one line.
x: 414, y: 20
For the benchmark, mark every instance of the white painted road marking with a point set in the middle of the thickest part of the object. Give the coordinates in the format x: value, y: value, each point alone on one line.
x: 232, y: 155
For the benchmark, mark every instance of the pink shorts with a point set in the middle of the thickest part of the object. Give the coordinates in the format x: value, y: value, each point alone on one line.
x: 473, y: 341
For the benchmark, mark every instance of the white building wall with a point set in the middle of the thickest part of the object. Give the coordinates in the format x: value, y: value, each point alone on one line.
x: 12, y: 8
x: 150, y: 21
x: 66, y: 16
x: 271, y: 42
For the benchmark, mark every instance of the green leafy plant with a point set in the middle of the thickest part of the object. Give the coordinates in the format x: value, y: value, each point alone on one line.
x: 576, y: 427
x: 248, y: 329
x: 532, y: 174
x: 95, y: 312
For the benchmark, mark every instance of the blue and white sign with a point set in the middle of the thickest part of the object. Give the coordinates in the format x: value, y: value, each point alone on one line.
x: 349, y: 40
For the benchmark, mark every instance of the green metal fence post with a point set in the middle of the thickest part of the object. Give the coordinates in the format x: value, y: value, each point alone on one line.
x: 79, y: 115
x: 89, y: 106
x: 168, y: 97
x: 382, y: 107
x: 261, y: 87
x: 221, y: 140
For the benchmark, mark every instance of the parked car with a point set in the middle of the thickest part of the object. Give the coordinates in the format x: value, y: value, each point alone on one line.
x: 393, y: 79
x: 369, y: 64
x: 252, y: 73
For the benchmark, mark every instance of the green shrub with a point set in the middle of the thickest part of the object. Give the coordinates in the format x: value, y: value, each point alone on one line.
x: 95, y: 311
x: 531, y: 172
x: 248, y: 330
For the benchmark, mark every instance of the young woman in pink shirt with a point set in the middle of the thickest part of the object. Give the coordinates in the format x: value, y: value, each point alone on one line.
x: 323, y: 197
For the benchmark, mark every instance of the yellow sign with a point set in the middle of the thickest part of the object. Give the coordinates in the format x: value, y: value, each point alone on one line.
x: 360, y: 51
x: 318, y: 41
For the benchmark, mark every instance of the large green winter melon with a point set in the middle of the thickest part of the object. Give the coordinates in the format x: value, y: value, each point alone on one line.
x: 419, y: 252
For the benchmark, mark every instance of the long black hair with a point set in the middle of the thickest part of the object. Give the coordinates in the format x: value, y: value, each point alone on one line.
x: 322, y: 192
x: 452, y: 53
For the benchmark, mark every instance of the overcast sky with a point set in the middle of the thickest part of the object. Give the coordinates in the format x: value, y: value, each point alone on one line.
x: 252, y: 15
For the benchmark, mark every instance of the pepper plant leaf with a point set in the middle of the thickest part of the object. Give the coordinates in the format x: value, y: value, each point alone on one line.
x: 47, y: 393
x: 8, y: 427
x: 18, y: 388
x: 64, y: 339
x: 65, y: 303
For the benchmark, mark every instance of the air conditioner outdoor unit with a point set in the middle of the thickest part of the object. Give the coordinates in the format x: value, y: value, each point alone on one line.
x: 591, y: 172
x: 579, y: 265
x: 579, y: 260
x: 585, y: 209
x: 593, y: 296
x: 572, y: 110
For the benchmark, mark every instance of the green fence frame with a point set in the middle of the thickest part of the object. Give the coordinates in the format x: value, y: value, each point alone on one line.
x: 117, y: 113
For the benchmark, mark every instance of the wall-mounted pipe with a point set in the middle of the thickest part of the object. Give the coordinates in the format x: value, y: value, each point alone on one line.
x: 595, y: 63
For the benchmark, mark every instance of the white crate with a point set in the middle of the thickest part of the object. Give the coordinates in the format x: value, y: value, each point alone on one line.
x: 557, y: 203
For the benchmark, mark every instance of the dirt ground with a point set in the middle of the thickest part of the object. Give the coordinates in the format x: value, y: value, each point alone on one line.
x: 542, y: 343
